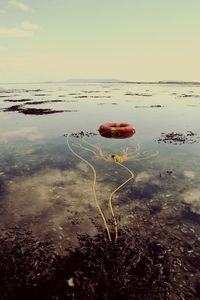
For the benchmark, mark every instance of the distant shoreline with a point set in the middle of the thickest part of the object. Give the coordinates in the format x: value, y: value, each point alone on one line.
x: 108, y: 82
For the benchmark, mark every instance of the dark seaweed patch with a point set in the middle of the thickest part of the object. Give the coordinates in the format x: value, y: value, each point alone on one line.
x: 89, y: 92
x: 151, y: 106
x: 138, y: 94
x: 82, y: 96
x: 81, y: 134
x: 36, y: 90
x: 17, y: 100
x: 100, y: 96
x: 2, y: 187
x: 43, y: 101
x: 73, y: 94
x: 143, y: 192
x: 133, y: 268
x: 35, y: 102
x: 189, y: 215
x: 189, y: 96
x: 178, y: 138
x: 35, y: 111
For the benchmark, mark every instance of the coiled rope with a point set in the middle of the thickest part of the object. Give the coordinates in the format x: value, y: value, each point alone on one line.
x: 93, y: 188
x: 94, y: 184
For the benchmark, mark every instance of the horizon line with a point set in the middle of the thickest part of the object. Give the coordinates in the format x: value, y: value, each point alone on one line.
x: 106, y: 80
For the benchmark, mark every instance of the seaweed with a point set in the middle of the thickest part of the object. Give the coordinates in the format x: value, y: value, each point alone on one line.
x: 133, y: 268
x: 178, y: 138
x: 138, y: 94
x: 43, y: 101
x: 151, y: 106
x: 17, y: 100
x: 189, y: 96
x: 81, y: 134
x: 34, y: 111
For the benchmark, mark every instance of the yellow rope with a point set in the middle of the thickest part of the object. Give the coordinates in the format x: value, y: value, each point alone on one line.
x: 93, y: 188
x: 82, y: 147
x: 98, y: 149
x: 111, y: 198
x: 118, y: 159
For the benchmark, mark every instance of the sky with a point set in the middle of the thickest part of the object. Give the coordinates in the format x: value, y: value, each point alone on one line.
x: 146, y: 40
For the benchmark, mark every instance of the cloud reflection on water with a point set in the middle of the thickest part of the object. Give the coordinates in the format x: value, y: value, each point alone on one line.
x: 29, y: 133
x: 52, y: 202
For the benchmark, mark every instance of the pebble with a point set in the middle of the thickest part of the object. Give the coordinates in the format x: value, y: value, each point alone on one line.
x: 168, y: 195
x: 70, y: 282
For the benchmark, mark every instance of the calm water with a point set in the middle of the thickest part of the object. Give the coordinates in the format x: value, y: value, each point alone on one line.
x: 44, y: 187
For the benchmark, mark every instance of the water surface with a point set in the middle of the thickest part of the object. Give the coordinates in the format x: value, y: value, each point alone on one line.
x: 46, y: 188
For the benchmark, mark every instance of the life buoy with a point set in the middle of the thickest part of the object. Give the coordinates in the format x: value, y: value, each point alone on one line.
x: 116, y: 130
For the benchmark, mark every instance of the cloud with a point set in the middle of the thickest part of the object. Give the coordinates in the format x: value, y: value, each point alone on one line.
x: 62, y: 202
x: 27, y: 25
x: 20, y: 5
x: 25, y: 29
x: 192, y: 198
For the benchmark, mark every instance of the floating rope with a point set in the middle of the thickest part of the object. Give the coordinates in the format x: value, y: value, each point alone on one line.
x: 111, y: 198
x: 93, y: 188
x: 118, y: 159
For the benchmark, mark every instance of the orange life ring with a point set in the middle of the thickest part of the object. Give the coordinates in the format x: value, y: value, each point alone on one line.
x: 116, y: 130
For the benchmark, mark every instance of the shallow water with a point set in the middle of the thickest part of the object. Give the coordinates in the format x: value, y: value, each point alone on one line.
x: 45, y: 188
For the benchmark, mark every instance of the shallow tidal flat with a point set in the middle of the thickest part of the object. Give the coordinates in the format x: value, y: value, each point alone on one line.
x: 47, y: 190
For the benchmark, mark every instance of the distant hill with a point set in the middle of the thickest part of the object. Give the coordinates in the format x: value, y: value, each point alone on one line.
x: 88, y: 80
